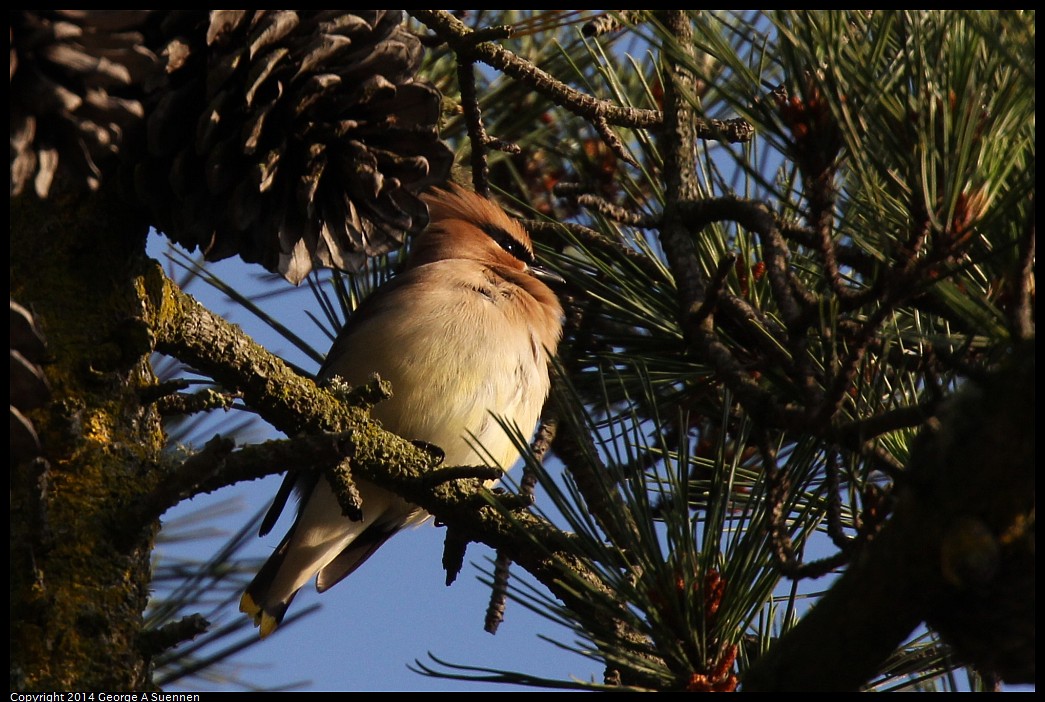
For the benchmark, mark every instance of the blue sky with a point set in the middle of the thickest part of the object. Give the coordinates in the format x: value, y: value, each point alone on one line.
x: 395, y: 609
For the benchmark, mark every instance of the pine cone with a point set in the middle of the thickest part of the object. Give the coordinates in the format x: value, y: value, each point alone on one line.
x: 29, y: 388
x: 76, y: 84
x: 294, y: 139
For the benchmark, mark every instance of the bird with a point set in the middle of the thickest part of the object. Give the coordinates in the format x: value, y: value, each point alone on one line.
x: 465, y: 334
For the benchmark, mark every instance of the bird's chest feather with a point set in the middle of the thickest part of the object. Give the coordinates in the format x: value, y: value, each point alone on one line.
x: 455, y: 356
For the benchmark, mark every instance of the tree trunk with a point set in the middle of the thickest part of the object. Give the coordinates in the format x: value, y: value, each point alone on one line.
x: 79, y: 577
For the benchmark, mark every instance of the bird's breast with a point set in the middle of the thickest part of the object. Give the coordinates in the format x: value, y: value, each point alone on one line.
x: 458, y: 348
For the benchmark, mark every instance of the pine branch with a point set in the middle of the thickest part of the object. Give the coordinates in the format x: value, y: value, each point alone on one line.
x: 933, y: 561
x: 196, y: 336
x: 463, y: 40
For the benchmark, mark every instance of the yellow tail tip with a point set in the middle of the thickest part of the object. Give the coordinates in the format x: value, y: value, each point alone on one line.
x: 265, y: 622
x: 268, y: 624
x: 248, y: 606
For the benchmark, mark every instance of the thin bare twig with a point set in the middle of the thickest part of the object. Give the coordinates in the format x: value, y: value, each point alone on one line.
x: 455, y: 544
x: 476, y: 130
x: 838, y: 386
x: 756, y: 217
x: 437, y: 476
x: 833, y: 485
x: 191, y: 403
x: 784, y: 553
x: 542, y: 442
x: 613, y: 21
x: 576, y: 449
x: 155, y: 393
x: 155, y: 641
x: 177, y: 484
x: 344, y: 486
x: 1023, y: 315
x: 498, y: 594
x: 613, y: 141
x: 853, y: 433
x: 714, y: 290
x: 611, y: 211
x: 458, y: 36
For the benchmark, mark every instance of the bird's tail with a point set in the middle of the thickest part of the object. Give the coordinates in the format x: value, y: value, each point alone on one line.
x: 325, y: 544
x: 259, y: 601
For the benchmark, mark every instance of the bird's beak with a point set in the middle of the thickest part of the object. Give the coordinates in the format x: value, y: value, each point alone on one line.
x: 546, y: 275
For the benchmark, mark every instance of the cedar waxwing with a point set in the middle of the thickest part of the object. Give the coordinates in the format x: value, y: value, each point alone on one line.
x: 464, y: 335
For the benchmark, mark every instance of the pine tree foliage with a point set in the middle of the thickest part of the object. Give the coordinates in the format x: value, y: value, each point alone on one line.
x: 790, y: 443
x: 755, y: 383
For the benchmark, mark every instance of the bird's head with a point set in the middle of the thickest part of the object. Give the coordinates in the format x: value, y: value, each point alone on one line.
x: 463, y: 225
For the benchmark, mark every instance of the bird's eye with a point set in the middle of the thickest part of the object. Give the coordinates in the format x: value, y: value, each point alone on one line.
x: 510, y: 244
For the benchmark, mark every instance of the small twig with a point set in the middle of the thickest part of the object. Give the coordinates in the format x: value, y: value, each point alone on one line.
x: 153, y: 393
x: 542, y: 442
x: 365, y: 395
x: 758, y: 218
x: 191, y: 403
x: 784, y: 553
x: 714, y: 290
x: 822, y: 195
x: 916, y: 240
x: 851, y: 434
x: 832, y: 483
x: 614, y: 212
x: 828, y: 249
x: 873, y: 270
x: 612, y: 21
x: 305, y: 452
x: 613, y: 141
x: 476, y: 131
x: 155, y: 641
x: 881, y: 459
x: 778, y: 488
x: 502, y: 145
x: 455, y: 544
x: 823, y: 566
x: 439, y: 476
x: 456, y: 34
x: 1023, y: 314
x: 797, y: 306
x: 175, y: 486
x: 761, y: 404
x: 897, y: 289
x: 755, y: 216
x: 344, y: 487
x: 499, y: 593
x: 492, y: 33
x: 750, y: 327
x: 203, y: 340
x: 850, y: 256
x: 836, y: 392
x: 511, y: 501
